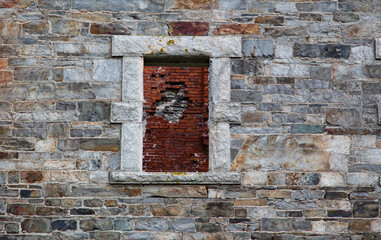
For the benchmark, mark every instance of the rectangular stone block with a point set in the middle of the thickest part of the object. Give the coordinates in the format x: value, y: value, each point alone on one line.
x: 219, y: 151
x: 107, y: 70
x: 132, y: 147
x: 322, y: 51
x: 226, y: 112
x: 128, y: 111
x: 94, y: 5
x: 219, y: 76
x: 132, y: 83
x: 377, y: 43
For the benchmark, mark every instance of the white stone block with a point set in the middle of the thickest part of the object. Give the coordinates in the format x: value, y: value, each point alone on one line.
x: 132, y: 147
x: 362, y: 178
x: 132, y: 84
x: 254, y: 178
x: 219, y: 80
x: 213, y: 46
x: 332, y: 179
x: 225, y: 112
x: 129, y: 111
x: 219, y: 147
x: 378, y: 48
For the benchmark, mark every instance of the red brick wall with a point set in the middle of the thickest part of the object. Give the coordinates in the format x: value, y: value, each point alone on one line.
x: 176, y: 112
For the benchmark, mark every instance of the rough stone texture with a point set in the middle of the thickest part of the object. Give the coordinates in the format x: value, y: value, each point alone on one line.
x: 296, y: 88
x: 166, y: 46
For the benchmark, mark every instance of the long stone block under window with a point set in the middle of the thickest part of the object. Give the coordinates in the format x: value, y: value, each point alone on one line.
x: 129, y: 112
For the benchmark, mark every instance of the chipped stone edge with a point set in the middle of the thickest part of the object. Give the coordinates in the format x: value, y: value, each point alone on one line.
x: 124, y: 177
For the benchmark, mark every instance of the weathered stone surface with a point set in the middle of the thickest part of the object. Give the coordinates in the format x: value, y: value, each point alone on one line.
x: 181, y: 46
x: 321, y: 51
x: 373, y: 71
x: 264, y: 152
x: 94, y: 111
x: 276, y: 20
x: 127, y: 111
x: 183, y: 225
x: 123, y: 224
x: 378, y: 48
x: 151, y: 224
x: 36, y: 225
x: 114, y: 28
x: 258, y: 48
x: 365, y: 209
x: 92, y: 5
x: 111, y: 144
x: 55, y: 190
x: 345, y: 118
x: 245, y: 96
x: 105, y: 235
x: 273, y: 225
x: 56, y: 5
x: 226, y: 112
x: 36, y: 27
x: 189, y: 28
x: 68, y: 144
x: 96, y: 224
x: 307, y: 129
x: 64, y: 225
x: 244, y: 28
x: 175, y: 191
x: 218, y: 209
x: 107, y: 70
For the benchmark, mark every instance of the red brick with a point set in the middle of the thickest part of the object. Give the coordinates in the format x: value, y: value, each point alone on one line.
x: 173, y: 146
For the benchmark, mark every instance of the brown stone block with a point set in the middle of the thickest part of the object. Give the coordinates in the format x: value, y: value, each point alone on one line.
x: 9, y: 155
x: 250, y: 202
x: 31, y: 176
x: 55, y: 190
x: 36, y: 27
x: 100, y: 145
x: 45, y: 211
x: 3, y: 63
x: 16, y: 3
x: 189, y: 28
x: 6, y: 77
x: 193, y: 4
x: 109, y: 28
x: 360, y: 225
x: 245, y: 28
x: 274, y: 194
x: 269, y: 20
x: 175, y: 191
x: 21, y: 209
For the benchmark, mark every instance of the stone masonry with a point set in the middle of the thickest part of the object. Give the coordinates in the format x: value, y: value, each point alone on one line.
x: 304, y: 117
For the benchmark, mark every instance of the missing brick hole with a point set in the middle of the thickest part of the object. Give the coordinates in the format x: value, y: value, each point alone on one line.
x: 173, y: 102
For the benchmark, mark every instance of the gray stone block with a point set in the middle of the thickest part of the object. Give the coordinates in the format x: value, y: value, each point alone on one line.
x: 232, y: 5
x: 307, y: 129
x: 321, y: 51
x: 274, y: 225
x: 326, y: 6
x: 54, y: 5
x: 247, y: 67
x: 183, y: 225
x: 94, y: 5
x: 123, y: 224
x: 152, y: 28
x: 321, y: 73
x: 345, y: 118
x: 372, y: 71
x: 94, y: 111
x: 377, y: 44
x: 258, y: 48
x: 107, y: 70
x: 151, y: 224
x: 68, y: 144
x: 155, y: 6
x: 245, y: 96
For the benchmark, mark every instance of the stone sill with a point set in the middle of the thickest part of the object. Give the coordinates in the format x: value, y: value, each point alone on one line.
x: 227, y: 178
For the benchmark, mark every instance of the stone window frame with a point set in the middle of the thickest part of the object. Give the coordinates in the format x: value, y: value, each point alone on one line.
x: 129, y: 112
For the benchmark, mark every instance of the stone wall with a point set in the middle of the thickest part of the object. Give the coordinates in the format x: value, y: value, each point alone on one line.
x: 308, y: 145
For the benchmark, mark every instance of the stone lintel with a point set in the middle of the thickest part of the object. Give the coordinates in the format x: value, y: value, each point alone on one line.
x: 211, y: 46
x: 175, y: 178
x: 128, y: 111
x: 377, y: 47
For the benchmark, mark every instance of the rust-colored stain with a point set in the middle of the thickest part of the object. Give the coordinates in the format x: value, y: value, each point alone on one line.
x: 245, y: 28
x: 32, y: 176
x: 196, y: 4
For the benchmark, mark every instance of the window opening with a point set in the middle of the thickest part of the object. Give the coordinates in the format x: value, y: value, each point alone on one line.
x: 175, y: 114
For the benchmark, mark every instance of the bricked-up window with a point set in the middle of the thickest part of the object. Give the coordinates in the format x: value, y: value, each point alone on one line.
x: 134, y: 112
x: 176, y: 119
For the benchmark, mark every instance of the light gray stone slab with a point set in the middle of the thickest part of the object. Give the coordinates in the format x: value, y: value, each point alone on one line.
x: 132, y: 83
x: 175, y: 178
x: 378, y: 48
x: 219, y: 80
x: 213, y: 46
x: 129, y: 111
x: 219, y: 147
x: 132, y: 147
x: 226, y: 112
x: 107, y: 70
